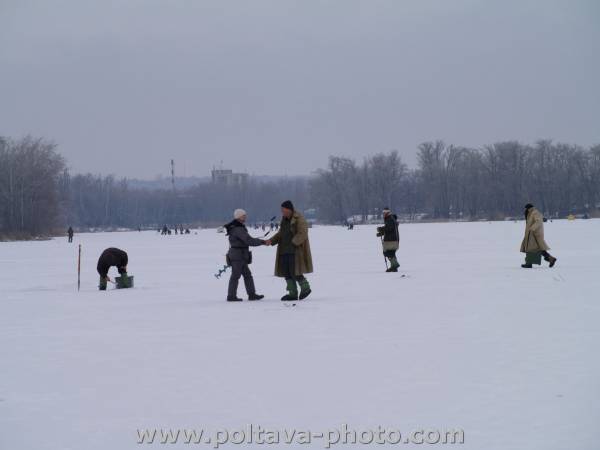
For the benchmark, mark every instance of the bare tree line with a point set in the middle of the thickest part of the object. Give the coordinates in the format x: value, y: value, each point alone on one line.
x: 452, y: 182
x: 93, y: 201
x: 39, y: 196
x: 29, y: 197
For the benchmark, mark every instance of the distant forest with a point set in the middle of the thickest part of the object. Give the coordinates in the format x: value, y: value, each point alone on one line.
x: 38, y: 196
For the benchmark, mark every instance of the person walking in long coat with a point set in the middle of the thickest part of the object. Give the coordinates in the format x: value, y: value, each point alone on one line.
x: 293, y: 258
x: 70, y: 234
x: 239, y: 256
x: 391, y: 238
x: 534, y: 245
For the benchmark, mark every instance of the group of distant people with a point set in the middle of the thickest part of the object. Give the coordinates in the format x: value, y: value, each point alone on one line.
x: 263, y: 226
x: 166, y: 231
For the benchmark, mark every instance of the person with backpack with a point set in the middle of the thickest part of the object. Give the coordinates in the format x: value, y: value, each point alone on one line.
x: 390, y: 238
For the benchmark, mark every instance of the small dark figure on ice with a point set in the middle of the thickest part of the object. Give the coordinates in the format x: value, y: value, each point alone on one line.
x: 293, y: 258
x: 70, y: 234
x: 239, y: 256
x: 534, y: 245
x: 390, y: 238
x: 109, y: 258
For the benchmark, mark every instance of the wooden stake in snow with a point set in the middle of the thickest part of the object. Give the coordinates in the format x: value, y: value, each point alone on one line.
x: 79, y: 270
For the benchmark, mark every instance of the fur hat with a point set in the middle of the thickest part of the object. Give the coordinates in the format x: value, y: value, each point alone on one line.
x: 238, y: 213
x: 288, y: 205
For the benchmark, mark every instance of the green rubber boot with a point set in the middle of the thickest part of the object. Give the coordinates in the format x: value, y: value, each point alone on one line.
x: 292, y: 291
x: 393, y: 264
x: 304, y: 289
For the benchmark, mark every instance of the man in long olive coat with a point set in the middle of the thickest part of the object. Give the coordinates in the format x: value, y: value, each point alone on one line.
x: 534, y: 245
x: 293, y: 258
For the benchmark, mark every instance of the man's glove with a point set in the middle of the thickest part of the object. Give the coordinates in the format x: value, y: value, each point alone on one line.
x: 380, y: 231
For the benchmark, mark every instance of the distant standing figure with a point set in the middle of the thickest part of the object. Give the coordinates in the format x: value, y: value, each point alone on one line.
x: 70, y: 233
x: 391, y: 238
x: 239, y: 256
x: 109, y: 258
x: 534, y: 245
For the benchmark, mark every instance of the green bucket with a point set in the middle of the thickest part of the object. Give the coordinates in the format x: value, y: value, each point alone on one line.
x: 124, y: 282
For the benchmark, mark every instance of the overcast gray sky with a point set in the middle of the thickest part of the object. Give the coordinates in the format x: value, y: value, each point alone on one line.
x: 275, y: 86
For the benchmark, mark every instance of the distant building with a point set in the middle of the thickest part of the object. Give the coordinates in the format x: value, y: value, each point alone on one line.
x: 227, y: 177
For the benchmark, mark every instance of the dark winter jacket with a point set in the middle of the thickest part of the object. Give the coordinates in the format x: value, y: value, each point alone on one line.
x: 239, y: 241
x: 286, y: 246
x: 390, y: 229
x: 70, y: 232
x: 112, y: 257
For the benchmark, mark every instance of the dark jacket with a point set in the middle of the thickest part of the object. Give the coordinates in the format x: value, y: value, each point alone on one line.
x: 390, y: 229
x: 286, y: 245
x: 70, y: 231
x: 239, y: 241
x: 112, y: 257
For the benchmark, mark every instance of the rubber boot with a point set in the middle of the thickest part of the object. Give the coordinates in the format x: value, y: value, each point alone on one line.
x: 292, y: 290
x: 549, y: 258
x: 393, y: 264
x: 304, y: 289
x: 103, y: 284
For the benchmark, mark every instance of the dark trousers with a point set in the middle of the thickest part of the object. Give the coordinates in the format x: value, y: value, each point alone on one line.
x: 287, y: 263
x: 70, y: 238
x: 239, y: 269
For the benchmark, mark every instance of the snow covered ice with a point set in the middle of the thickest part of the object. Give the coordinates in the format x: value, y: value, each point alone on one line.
x: 466, y: 340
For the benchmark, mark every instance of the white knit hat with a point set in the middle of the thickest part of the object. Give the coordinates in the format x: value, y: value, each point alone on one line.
x: 238, y: 213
